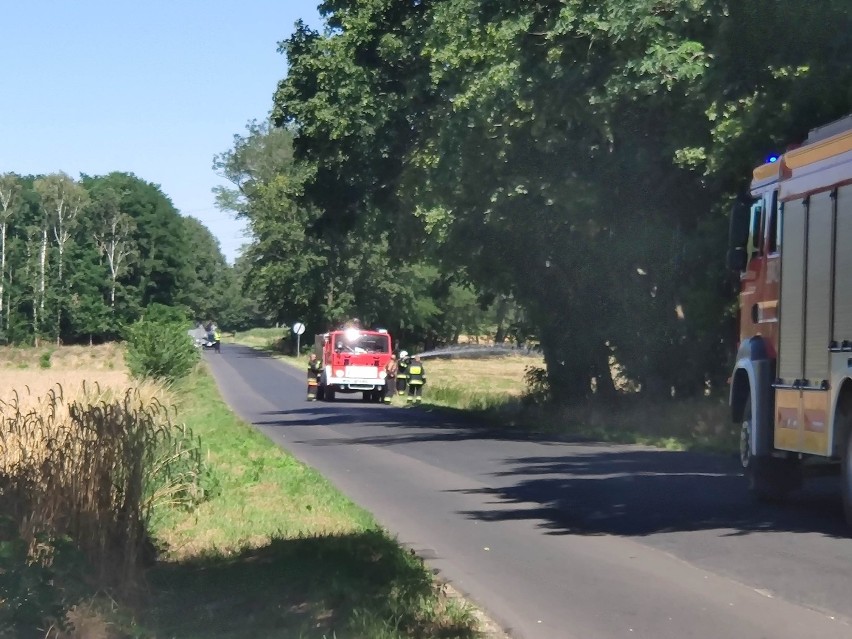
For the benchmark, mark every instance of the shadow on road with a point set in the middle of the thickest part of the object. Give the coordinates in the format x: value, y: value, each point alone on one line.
x: 639, y: 492
x: 586, y: 487
x: 576, y: 486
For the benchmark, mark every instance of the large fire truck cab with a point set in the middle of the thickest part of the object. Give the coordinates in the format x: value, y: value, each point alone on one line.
x: 791, y: 387
x: 353, y: 361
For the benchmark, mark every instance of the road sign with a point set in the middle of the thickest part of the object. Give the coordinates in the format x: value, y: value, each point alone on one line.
x: 298, y: 329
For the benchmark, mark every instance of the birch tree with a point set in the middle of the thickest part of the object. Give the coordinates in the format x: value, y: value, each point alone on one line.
x: 10, y: 204
x: 114, y: 237
x: 62, y: 200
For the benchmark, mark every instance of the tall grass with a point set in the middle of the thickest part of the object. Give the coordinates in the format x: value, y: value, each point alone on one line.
x: 88, y: 467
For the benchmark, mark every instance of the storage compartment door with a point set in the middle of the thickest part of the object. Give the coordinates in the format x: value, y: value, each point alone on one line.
x: 818, y: 287
x: 791, y: 311
x: 843, y: 267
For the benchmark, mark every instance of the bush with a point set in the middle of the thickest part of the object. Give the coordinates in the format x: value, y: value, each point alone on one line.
x: 538, y: 386
x: 160, y: 350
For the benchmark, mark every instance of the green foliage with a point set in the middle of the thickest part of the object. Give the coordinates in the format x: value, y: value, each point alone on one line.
x: 574, y: 157
x: 81, y: 258
x: 44, y: 359
x: 36, y: 590
x: 537, y: 386
x: 160, y: 349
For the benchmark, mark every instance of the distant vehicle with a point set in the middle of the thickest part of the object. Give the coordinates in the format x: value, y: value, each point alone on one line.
x: 791, y: 387
x: 353, y: 362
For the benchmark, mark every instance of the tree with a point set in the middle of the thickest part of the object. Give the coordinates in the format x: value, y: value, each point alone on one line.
x: 10, y: 205
x: 113, y: 235
x: 62, y: 200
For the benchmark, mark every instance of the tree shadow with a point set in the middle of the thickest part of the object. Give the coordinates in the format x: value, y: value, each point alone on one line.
x: 349, y: 585
x: 645, y: 492
x: 589, y: 487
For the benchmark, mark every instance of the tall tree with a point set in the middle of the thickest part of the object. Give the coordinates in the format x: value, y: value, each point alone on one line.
x: 113, y: 235
x: 62, y: 200
x: 11, y: 204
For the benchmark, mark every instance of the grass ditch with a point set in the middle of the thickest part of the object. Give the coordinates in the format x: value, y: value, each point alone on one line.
x: 279, y: 552
x: 494, y: 389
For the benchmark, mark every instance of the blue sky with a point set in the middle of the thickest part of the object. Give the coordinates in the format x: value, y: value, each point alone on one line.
x: 156, y: 88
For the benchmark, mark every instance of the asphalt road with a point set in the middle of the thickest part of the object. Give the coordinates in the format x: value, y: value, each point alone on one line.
x: 573, y: 540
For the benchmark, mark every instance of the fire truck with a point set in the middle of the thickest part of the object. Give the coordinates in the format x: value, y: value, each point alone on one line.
x: 353, y: 361
x: 791, y: 243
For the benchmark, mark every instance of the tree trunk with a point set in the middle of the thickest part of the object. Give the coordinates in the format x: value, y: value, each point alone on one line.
x: 42, y: 261
x: 2, y: 266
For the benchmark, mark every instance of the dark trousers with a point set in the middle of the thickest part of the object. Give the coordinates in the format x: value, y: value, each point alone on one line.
x: 401, y: 384
x: 390, y: 386
x: 415, y: 392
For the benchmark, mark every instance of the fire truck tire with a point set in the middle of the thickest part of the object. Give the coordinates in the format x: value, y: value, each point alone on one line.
x: 320, y: 393
x: 329, y: 394
x: 367, y: 396
x: 846, y: 473
x: 769, y: 479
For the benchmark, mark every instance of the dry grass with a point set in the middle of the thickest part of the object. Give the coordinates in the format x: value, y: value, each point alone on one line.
x: 103, y: 357
x: 84, y: 457
x: 499, y: 375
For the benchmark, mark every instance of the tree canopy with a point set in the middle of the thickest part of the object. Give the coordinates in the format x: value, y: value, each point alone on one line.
x: 574, y: 158
x: 82, y: 259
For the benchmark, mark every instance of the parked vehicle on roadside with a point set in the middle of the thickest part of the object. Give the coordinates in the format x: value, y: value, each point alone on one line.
x: 791, y: 244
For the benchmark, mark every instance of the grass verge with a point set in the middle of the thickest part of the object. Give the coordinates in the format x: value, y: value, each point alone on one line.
x: 278, y: 552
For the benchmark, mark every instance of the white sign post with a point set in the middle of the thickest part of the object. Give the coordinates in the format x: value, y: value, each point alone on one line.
x: 298, y: 329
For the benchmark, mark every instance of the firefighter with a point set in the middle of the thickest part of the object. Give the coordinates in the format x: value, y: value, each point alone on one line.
x: 314, y: 371
x: 416, y: 380
x: 217, y: 339
x: 402, y: 373
x: 391, y: 369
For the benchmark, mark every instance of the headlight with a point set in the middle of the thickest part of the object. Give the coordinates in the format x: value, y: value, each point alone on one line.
x: 338, y: 373
x: 383, y: 374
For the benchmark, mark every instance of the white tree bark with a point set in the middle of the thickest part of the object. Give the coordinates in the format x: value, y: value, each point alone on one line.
x: 9, y: 198
x: 116, y: 246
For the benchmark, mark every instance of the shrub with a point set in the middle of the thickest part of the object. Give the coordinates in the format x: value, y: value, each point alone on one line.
x: 44, y: 359
x: 160, y: 350
x: 538, y: 386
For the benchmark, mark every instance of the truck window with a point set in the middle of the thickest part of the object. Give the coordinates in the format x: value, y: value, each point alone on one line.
x: 773, y: 226
x: 755, y: 227
x: 365, y: 343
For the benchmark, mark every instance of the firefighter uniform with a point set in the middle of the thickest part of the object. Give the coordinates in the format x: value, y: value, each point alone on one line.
x: 416, y: 380
x: 402, y: 373
x: 391, y: 369
x: 314, y: 372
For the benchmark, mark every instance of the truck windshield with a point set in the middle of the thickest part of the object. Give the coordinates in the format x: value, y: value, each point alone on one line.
x: 364, y: 343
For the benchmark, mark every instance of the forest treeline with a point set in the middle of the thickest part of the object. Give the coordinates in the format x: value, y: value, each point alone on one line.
x: 80, y: 260
x: 565, y: 165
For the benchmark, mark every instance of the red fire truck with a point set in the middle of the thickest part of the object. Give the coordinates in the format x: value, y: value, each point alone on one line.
x: 791, y: 387
x: 353, y: 361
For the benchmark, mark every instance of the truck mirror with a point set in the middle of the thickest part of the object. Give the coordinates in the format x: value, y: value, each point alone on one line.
x: 737, y: 259
x: 738, y: 229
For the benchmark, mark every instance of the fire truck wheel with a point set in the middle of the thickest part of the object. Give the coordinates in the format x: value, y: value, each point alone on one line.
x: 769, y: 479
x: 847, y: 477
x: 320, y: 393
x: 329, y: 394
